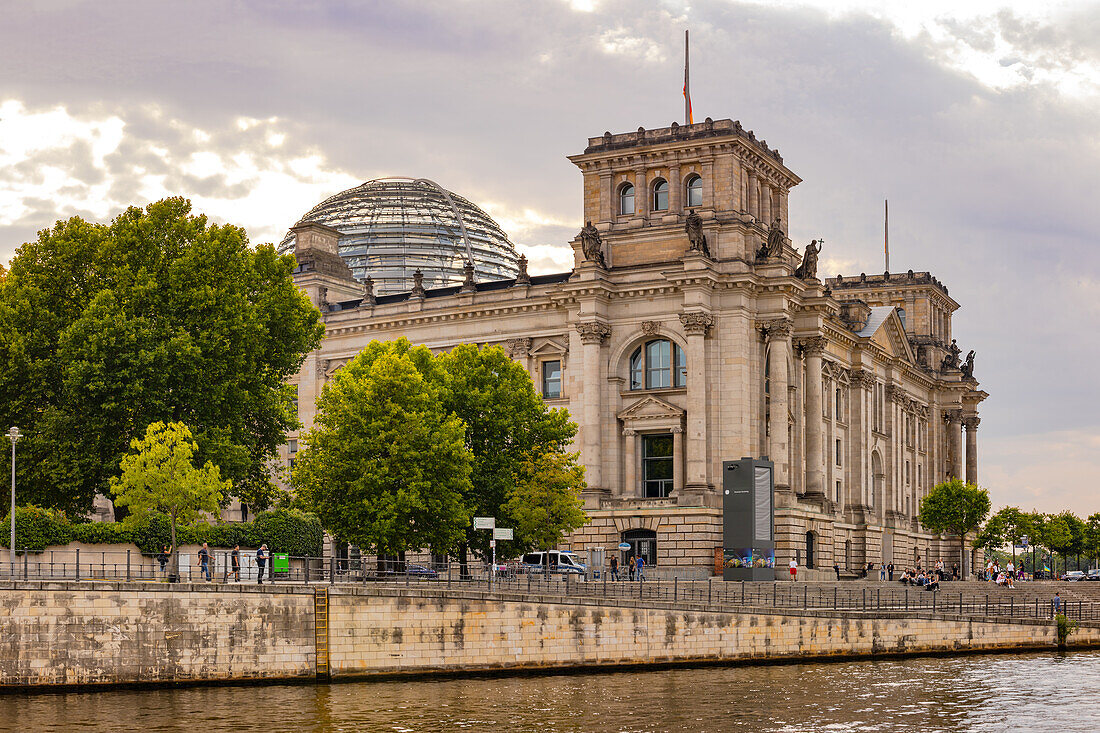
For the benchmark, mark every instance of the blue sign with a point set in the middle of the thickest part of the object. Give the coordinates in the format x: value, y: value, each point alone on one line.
x: 624, y: 546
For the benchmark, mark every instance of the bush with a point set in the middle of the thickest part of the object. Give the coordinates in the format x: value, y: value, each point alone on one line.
x: 230, y: 534
x: 291, y: 531
x: 101, y: 533
x: 37, y: 528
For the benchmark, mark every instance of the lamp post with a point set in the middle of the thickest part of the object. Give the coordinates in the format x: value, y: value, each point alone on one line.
x: 14, y: 435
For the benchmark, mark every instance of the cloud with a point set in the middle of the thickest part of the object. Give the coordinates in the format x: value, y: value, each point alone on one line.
x: 980, y: 122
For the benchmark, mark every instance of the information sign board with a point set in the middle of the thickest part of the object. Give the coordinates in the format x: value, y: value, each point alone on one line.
x: 485, y: 522
x: 502, y: 533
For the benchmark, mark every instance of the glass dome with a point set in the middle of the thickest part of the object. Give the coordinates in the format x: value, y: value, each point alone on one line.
x: 392, y: 227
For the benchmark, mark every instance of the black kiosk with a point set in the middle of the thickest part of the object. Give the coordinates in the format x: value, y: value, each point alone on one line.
x: 748, y: 519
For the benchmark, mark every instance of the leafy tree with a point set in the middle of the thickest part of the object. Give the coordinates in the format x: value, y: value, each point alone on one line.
x: 955, y: 507
x: 158, y: 316
x: 160, y: 476
x: 386, y: 466
x: 513, y: 438
x: 1057, y: 537
x: 1008, y: 526
x: 1092, y: 537
x: 545, y: 502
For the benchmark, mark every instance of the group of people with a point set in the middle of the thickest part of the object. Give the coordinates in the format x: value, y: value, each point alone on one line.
x: 204, y: 561
x: 1006, y: 578
x: 916, y: 575
x: 635, y: 567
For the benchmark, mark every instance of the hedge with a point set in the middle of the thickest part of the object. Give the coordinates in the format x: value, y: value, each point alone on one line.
x: 284, y: 530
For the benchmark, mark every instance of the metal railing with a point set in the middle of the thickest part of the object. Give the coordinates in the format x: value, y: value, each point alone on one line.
x: 1033, y: 602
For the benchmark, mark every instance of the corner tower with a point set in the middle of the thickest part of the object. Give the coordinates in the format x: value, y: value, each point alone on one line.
x: 639, y: 187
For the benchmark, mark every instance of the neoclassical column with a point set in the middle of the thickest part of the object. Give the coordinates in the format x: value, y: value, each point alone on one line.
x: 971, y: 422
x: 754, y: 199
x: 630, y: 463
x: 675, y: 190
x: 608, y: 206
x: 766, y: 215
x: 641, y: 194
x: 812, y: 349
x: 696, y: 326
x: 778, y: 334
x: 953, y: 418
x: 677, y: 460
x: 593, y: 335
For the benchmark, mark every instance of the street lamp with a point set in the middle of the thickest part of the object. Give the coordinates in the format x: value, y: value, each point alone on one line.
x: 14, y: 435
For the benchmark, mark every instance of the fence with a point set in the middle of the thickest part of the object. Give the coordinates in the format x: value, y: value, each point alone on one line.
x: 843, y: 596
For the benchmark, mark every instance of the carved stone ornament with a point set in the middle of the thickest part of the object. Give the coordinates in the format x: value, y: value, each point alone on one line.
x: 591, y: 244
x: 812, y: 345
x: 593, y: 332
x: 651, y: 328
x: 773, y: 247
x: 952, y: 416
x: 862, y: 378
x: 808, y: 269
x: 322, y: 368
x: 368, y: 291
x: 951, y: 361
x: 894, y: 393
x: 523, y: 278
x: 697, y: 323
x: 697, y: 241
x: 517, y: 347
x: 418, y: 285
x: 468, y: 285
x: 778, y: 328
x: 968, y: 366
x: 971, y: 422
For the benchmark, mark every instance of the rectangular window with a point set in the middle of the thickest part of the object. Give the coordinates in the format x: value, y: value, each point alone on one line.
x: 907, y: 473
x: 657, y: 465
x: 837, y: 492
x: 658, y: 364
x: 294, y: 401
x: 838, y: 454
x: 292, y: 446
x: 551, y: 379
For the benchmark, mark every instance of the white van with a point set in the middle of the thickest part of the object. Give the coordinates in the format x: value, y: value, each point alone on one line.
x: 554, y: 561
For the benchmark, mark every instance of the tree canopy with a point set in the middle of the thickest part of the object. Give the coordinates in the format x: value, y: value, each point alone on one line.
x: 157, y: 316
x: 160, y: 476
x: 385, y: 466
x: 955, y: 507
x: 512, y: 445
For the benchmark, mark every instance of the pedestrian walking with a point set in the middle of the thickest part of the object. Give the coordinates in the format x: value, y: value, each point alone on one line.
x: 614, y: 567
x: 794, y: 569
x: 235, y: 563
x: 162, y: 557
x: 890, y: 571
x: 1057, y: 603
x: 204, y: 561
x: 641, y: 567
x: 632, y: 567
x: 261, y: 563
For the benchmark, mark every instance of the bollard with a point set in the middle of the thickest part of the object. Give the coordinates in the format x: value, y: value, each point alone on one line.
x: 331, y: 570
x: 128, y: 576
x: 907, y: 599
x: 805, y: 596
x: 934, y: 594
x: 675, y: 588
x: 742, y: 592
x: 24, y: 563
x: 709, y: 584
x: 987, y: 604
x: 77, y: 564
x: 834, y: 598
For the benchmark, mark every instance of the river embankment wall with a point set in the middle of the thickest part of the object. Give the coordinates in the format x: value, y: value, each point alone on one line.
x: 84, y: 633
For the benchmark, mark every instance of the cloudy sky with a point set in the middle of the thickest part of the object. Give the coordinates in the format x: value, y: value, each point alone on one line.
x: 980, y: 121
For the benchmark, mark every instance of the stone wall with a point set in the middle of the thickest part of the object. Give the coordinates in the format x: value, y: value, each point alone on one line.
x: 96, y: 633
x: 110, y: 633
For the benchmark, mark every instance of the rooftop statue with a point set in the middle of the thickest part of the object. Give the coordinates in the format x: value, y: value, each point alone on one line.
x: 697, y: 241
x: 591, y: 244
x: 776, y: 239
x: 808, y: 269
x: 968, y: 365
x: 951, y: 361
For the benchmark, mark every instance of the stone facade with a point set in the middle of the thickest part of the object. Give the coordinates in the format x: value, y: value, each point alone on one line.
x: 677, y: 352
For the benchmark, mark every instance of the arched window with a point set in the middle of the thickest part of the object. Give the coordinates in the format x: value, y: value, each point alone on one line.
x: 694, y: 191
x: 658, y: 364
x: 660, y: 195
x: 626, y: 200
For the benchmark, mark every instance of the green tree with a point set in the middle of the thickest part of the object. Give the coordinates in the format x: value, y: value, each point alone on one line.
x: 1058, y: 537
x: 511, y: 433
x: 158, y: 316
x: 955, y: 507
x: 545, y: 501
x: 1092, y: 537
x: 160, y: 476
x: 1008, y: 526
x: 386, y: 466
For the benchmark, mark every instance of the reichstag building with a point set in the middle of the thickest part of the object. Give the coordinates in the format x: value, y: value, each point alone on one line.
x: 690, y: 331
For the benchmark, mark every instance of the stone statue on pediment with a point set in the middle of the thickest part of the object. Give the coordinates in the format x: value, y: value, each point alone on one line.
x: 697, y: 241
x: 808, y: 269
x: 968, y: 366
x: 591, y: 244
x: 951, y: 360
x: 773, y: 247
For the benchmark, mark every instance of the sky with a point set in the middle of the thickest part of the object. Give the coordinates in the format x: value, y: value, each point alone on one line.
x: 979, y: 121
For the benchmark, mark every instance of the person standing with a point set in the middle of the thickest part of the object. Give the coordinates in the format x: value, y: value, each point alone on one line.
x: 882, y: 572
x: 204, y: 561
x: 1057, y: 603
x: 235, y: 563
x: 836, y: 569
x: 641, y: 567
x: 162, y: 557
x: 793, y: 565
x: 632, y: 567
x: 614, y: 567
x: 890, y: 571
x: 261, y: 563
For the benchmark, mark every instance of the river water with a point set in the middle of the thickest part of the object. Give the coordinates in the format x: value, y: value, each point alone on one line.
x: 1033, y: 692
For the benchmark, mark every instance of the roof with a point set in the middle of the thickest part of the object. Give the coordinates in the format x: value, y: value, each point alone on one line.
x: 551, y: 279
x: 878, y: 316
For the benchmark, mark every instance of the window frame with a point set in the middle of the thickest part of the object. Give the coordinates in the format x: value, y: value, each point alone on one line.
x: 659, y: 191
x: 627, y: 186
x: 663, y: 486
x: 641, y: 371
x: 546, y: 380
x: 690, y: 188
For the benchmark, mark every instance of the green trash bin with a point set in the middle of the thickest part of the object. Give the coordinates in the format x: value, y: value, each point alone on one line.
x: 280, y: 562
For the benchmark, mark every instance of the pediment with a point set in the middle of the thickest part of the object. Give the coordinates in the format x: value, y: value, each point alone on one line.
x: 890, y: 337
x: 550, y: 347
x: 650, y: 407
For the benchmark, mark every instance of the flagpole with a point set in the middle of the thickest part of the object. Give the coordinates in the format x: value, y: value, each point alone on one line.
x: 687, y: 85
x: 887, y: 227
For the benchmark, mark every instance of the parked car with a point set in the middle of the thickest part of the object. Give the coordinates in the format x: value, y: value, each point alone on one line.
x: 555, y: 561
x: 1074, y: 575
x: 1093, y: 574
x: 410, y: 569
